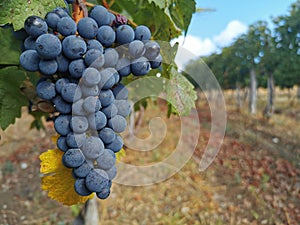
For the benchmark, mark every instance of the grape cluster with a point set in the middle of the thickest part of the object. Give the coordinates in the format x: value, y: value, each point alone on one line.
x: 81, y: 67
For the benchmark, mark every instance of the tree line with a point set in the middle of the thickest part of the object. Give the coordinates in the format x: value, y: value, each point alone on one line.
x: 263, y: 57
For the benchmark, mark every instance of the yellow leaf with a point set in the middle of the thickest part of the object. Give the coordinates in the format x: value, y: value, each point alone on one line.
x: 120, y: 154
x: 58, y: 180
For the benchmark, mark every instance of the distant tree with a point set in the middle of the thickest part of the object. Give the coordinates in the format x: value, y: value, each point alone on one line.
x: 287, y: 43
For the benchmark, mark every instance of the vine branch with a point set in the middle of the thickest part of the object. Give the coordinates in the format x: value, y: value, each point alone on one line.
x: 79, y: 10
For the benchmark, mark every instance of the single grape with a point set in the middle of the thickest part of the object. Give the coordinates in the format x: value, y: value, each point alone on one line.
x: 123, y: 106
x: 87, y: 28
x: 73, y: 47
x: 120, y: 92
x: 123, y: 66
x: 107, y: 135
x: 79, y: 124
x: 110, y: 110
x: 73, y: 158
x: 61, y: 105
x: 111, y: 172
x: 93, y: 147
x: 106, y: 97
x: 62, y: 63
x: 100, y: 15
x: 91, y: 77
x: 117, y: 123
x: 96, y: 180
x: 46, y: 90
x: 136, y: 48
x: 71, y: 92
x: 104, y: 193
x: 62, y: 124
x: 91, y: 104
x: 94, y: 44
x: 142, y: 33
x: 106, y: 160
x: 60, y: 83
x: 29, y: 60
x: 111, y: 57
x: 60, y: 12
x: 66, y: 26
x: 48, y: 46
x: 75, y: 140
x: 107, y: 78
x: 48, y: 66
x: 76, y: 68
x: 52, y: 20
x: 112, y: 18
x: 106, y: 35
x: 35, y: 26
x: 83, y: 170
x: 152, y: 50
x: 89, y: 91
x: 81, y: 188
x: 77, y: 108
x: 156, y: 62
x: 116, y: 145
x: 62, y: 143
x: 124, y: 34
x: 140, y: 66
x: 29, y: 43
x: 94, y: 58
x: 97, y: 120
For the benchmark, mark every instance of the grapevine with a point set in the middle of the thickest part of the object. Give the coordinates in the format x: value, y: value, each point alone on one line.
x: 81, y: 61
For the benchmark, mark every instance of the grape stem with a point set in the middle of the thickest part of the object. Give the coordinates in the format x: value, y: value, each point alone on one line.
x: 106, y: 5
x: 79, y: 10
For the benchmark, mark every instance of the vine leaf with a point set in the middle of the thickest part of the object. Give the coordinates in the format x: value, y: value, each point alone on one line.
x: 10, y: 46
x: 181, y: 12
x: 150, y: 14
x: 15, y: 12
x: 57, y: 179
x: 180, y: 94
x: 160, y: 3
x: 11, y: 99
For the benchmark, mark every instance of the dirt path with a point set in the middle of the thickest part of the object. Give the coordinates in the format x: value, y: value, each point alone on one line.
x: 250, y: 182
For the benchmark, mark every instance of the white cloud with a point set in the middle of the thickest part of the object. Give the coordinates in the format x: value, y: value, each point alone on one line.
x: 192, y: 46
x: 195, y: 45
x: 233, y: 29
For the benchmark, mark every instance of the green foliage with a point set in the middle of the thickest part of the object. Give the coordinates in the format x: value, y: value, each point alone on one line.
x: 11, y: 99
x: 15, y: 12
x: 181, y: 13
x: 166, y: 19
x: 180, y: 94
x: 10, y: 46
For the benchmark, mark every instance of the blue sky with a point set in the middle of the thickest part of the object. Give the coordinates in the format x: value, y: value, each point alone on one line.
x: 209, y: 24
x: 210, y: 31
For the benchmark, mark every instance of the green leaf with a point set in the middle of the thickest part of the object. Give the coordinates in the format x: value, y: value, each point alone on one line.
x: 151, y: 15
x: 181, y: 12
x: 15, y: 12
x: 10, y: 46
x: 160, y: 3
x: 11, y: 99
x: 180, y: 94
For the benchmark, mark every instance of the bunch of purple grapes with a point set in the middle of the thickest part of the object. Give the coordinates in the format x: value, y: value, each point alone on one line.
x: 81, y: 67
